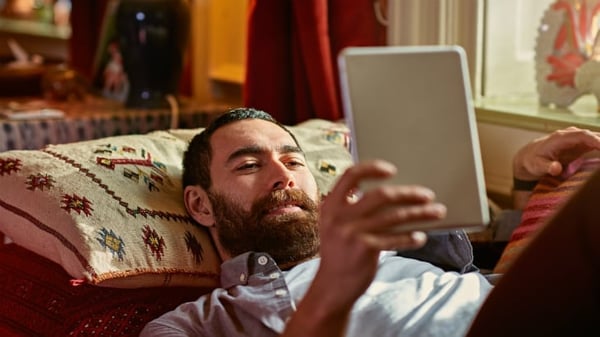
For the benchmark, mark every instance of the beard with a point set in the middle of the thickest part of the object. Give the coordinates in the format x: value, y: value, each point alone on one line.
x: 288, y: 238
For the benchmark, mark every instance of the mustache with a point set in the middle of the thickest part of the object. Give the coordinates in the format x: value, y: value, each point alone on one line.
x: 278, y: 198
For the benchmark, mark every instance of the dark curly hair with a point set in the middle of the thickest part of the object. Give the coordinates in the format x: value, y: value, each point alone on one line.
x: 197, y: 157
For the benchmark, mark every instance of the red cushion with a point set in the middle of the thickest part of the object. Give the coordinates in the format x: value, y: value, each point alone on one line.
x: 548, y: 196
x: 38, y: 299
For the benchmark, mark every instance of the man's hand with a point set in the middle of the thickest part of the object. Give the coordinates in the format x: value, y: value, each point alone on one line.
x: 550, y: 154
x: 353, y: 233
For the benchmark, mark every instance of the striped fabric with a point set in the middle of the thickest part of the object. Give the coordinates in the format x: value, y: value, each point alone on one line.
x: 547, y: 197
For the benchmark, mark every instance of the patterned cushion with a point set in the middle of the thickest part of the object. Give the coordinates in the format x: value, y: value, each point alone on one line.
x: 37, y: 299
x: 109, y: 211
x: 548, y: 196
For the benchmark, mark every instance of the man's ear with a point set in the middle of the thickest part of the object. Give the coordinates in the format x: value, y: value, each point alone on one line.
x: 198, y: 205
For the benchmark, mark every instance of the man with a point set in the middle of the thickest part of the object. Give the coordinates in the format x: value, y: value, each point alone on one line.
x: 295, y: 265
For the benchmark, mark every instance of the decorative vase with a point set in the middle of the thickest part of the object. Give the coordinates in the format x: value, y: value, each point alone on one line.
x: 153, y: 36
x: 564, y: 43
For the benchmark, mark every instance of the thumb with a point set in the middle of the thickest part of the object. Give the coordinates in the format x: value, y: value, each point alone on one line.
x: 554, y: 168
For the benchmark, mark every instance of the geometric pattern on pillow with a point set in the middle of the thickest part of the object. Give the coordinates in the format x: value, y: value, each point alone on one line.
x: 109, y: 211
x: 327, y: 150
x: 37, y: 299
x: 546, y: 198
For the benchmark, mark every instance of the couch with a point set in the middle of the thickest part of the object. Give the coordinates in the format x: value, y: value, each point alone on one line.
x: 97, y: 242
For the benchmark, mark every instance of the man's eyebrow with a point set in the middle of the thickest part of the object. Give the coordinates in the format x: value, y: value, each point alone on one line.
x: 253, y: 149
x: 245, y: 151
x: 291, y: 149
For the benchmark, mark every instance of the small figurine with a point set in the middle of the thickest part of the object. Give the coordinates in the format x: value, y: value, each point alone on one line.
x: 115, y: 84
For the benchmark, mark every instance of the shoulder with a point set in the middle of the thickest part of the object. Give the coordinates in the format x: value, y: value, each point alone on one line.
x: 188, y: 319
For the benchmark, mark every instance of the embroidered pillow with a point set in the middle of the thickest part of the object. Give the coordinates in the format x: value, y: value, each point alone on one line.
x: 109, y: 211
x: 547, y: 197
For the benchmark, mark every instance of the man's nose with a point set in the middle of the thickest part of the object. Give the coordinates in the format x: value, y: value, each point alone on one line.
x: 282, y: 177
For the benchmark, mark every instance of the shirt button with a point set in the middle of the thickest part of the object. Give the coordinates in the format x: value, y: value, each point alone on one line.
x: 242, y: 277
x: 262, y: 260
x: 274, y: 276
x: 280, y: 292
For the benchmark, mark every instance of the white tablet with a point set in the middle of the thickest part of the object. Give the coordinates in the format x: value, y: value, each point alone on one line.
x: 412, y: 106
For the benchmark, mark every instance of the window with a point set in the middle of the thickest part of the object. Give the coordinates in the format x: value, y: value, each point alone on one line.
x: 499, y: 37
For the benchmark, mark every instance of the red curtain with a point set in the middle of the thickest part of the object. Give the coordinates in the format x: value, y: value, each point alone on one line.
x: 86, y: 22
x: 292, y: 45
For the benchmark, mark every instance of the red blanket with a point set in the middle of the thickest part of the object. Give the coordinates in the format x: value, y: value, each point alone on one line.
x: 38, y: 299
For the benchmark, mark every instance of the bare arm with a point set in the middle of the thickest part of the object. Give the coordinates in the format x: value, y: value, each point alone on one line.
x: 353, y: 233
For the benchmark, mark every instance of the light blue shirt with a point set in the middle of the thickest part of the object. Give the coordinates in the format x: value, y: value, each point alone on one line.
x: 407, y: 298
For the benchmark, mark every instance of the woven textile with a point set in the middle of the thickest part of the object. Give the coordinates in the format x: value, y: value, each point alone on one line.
x: 108, y: 210
x: 38, y: 299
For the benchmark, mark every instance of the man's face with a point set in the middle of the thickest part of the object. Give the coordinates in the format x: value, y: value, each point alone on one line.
x: 264, y: 196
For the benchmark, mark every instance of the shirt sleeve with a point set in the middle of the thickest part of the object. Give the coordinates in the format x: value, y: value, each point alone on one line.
x: 184, y: 321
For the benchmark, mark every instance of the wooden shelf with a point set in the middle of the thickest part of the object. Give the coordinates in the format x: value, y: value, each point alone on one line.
x: 34, y: 28
x: 526, y: 113
x: 233, y: 73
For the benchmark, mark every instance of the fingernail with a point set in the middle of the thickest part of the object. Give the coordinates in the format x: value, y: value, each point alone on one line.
x: 418, y: 236
x: 429, y: 194
x: 440, y: 209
